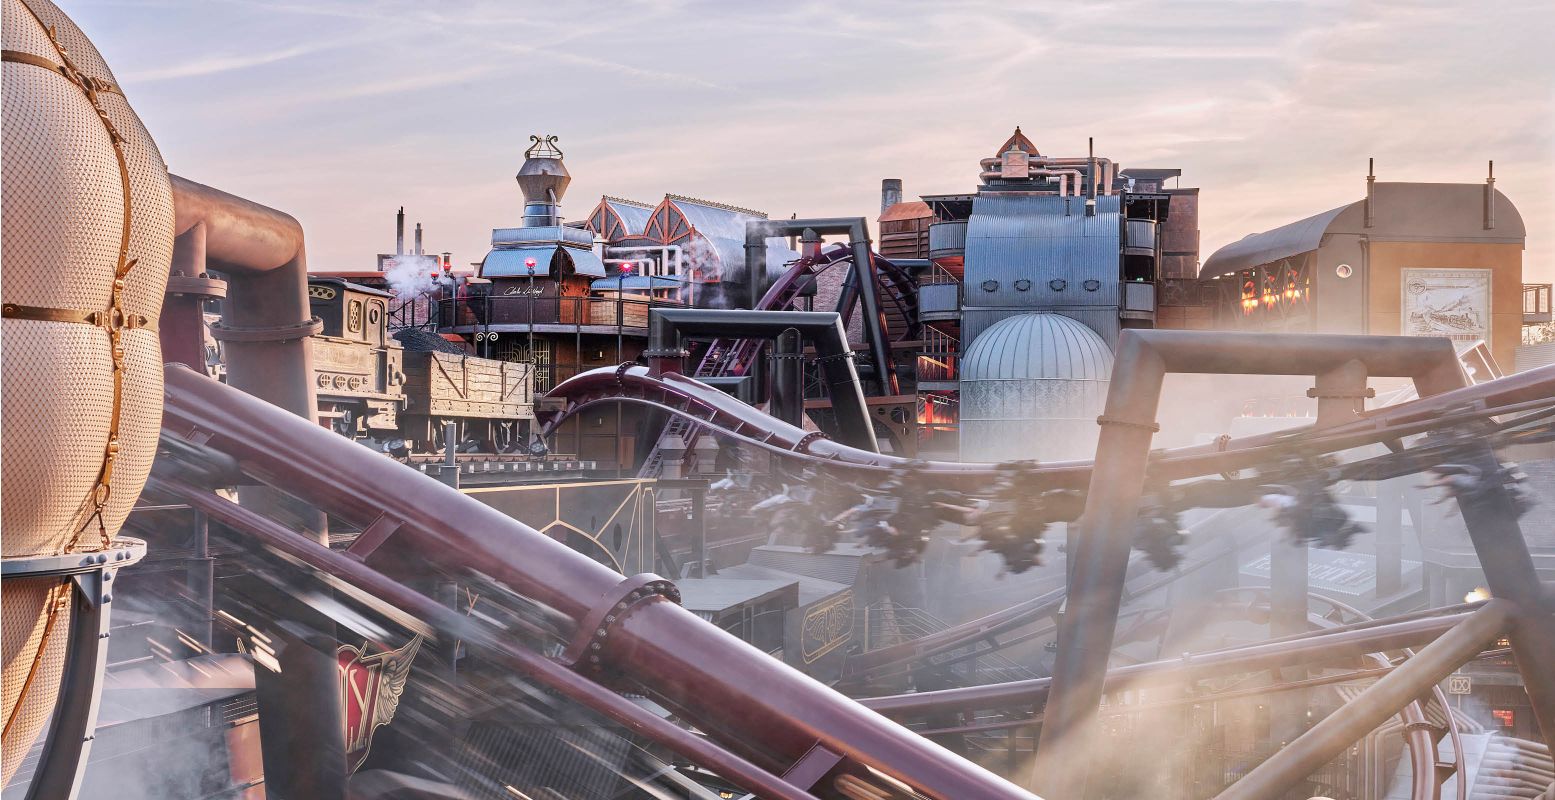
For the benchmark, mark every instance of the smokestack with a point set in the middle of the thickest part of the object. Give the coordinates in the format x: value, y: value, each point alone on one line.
x: 1490, y: 197
x: 418, y: 238
x: 399, y: 232
x: 1090, y: 199
x: 1371, y: 192
x: 543, y: 179
x: 890, y: 193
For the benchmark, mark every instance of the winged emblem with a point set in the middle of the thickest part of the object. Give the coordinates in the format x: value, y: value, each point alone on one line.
x: 371, y: 685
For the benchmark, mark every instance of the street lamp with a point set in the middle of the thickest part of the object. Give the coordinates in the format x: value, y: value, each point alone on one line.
x: 529, y: 266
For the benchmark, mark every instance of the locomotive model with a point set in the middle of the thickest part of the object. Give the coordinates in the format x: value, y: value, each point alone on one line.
x: 401, y: 391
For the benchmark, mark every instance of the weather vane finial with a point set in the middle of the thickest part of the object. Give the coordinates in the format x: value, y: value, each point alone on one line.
x: 543, y: 147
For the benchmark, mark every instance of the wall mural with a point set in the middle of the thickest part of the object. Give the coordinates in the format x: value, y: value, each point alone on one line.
x: 1447, y: 302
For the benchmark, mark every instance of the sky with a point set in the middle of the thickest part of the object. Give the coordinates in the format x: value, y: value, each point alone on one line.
x: 340, y: 112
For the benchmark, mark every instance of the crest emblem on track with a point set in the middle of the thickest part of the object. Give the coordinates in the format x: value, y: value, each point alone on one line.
x: 370, y: 688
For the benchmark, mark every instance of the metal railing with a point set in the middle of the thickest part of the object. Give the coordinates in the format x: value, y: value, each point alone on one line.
x: 937, y: 361
x: 484, y: 311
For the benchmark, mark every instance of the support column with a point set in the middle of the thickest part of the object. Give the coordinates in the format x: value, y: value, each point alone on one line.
x: 788, y: 377
x: 1339, y: 730
x: 1491, y: 518
x: 1390, y: 537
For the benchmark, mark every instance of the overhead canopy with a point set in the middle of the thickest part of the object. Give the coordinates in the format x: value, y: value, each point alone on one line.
x: 636, y: 282
x: 1298, y: 237
x: 585, y: 262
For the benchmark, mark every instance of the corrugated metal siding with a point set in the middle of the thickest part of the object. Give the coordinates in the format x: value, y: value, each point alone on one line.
x: 1533, y: 356
x: 1013, y: 238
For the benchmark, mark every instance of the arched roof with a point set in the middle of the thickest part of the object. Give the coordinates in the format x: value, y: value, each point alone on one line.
x: 1412, y: 212
x: 616, y: 218
x: 1037, y: 347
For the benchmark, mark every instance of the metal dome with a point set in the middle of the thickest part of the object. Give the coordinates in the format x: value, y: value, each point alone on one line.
x: 1037, y: 347
x: 1031, y: 388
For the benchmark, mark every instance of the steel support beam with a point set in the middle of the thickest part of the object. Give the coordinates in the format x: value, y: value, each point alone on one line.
x: 450, y: 622
x: 1323, y: 647
x: 863, y: 275
x: 667, y: 328
x: 1490, y: 515
x: 1062, y: 763
x: 1327, y: 739
x: 743, y: 699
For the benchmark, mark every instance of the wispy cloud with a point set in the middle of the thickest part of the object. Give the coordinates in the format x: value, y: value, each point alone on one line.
x: 344, y: 110
x: 213, y: 65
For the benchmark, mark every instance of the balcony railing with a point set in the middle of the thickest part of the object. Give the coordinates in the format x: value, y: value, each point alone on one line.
x: 937, y: 360
x: 525, y: 311
x: 947, y: 239
x: 1536, y: 303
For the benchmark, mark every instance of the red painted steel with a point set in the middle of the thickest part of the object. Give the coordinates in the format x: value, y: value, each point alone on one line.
x: 747, y: 701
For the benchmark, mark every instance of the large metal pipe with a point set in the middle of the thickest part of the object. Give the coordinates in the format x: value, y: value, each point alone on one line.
x: 1101, y: 554
x: 1325, y: 647
x: 265, y: 324
x: 1389, y: 424
x: 450, y: 622
x: 857, y: 230
x: 265, y: 318
x: 668, y: 326
x: 749, y: 702
x: 1336, y: 732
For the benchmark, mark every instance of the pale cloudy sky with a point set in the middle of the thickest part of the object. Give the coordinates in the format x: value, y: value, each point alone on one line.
x: 339, y: 112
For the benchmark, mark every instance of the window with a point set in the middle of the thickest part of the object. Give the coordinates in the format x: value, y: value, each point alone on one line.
x: 1506, y: 716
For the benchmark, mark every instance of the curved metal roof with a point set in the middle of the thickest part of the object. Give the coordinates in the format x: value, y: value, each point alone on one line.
x: 585, y: 262
x: 509, y: 262
x: 633, y: 215
x: 1037, y: 347
x: 1254, y: 249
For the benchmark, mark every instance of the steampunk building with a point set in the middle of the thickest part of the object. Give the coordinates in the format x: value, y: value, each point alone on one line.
x: 1079, y: 248
x: 1412, y: 259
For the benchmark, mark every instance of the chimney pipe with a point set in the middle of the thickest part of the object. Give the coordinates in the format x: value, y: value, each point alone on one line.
x: 418, y: 238
x: 1371, y: 191
x: 890, y: 193
x: 1090, y: 199
x: 399, y: 232
x: 1490, y: 197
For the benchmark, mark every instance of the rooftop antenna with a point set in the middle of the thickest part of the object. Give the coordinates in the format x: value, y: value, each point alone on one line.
x: 1371, y: 192
x: 1490, y: 197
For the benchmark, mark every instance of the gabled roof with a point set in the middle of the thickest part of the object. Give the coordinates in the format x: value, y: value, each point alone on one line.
x: 1017, y: 141
x: 617, y: 218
